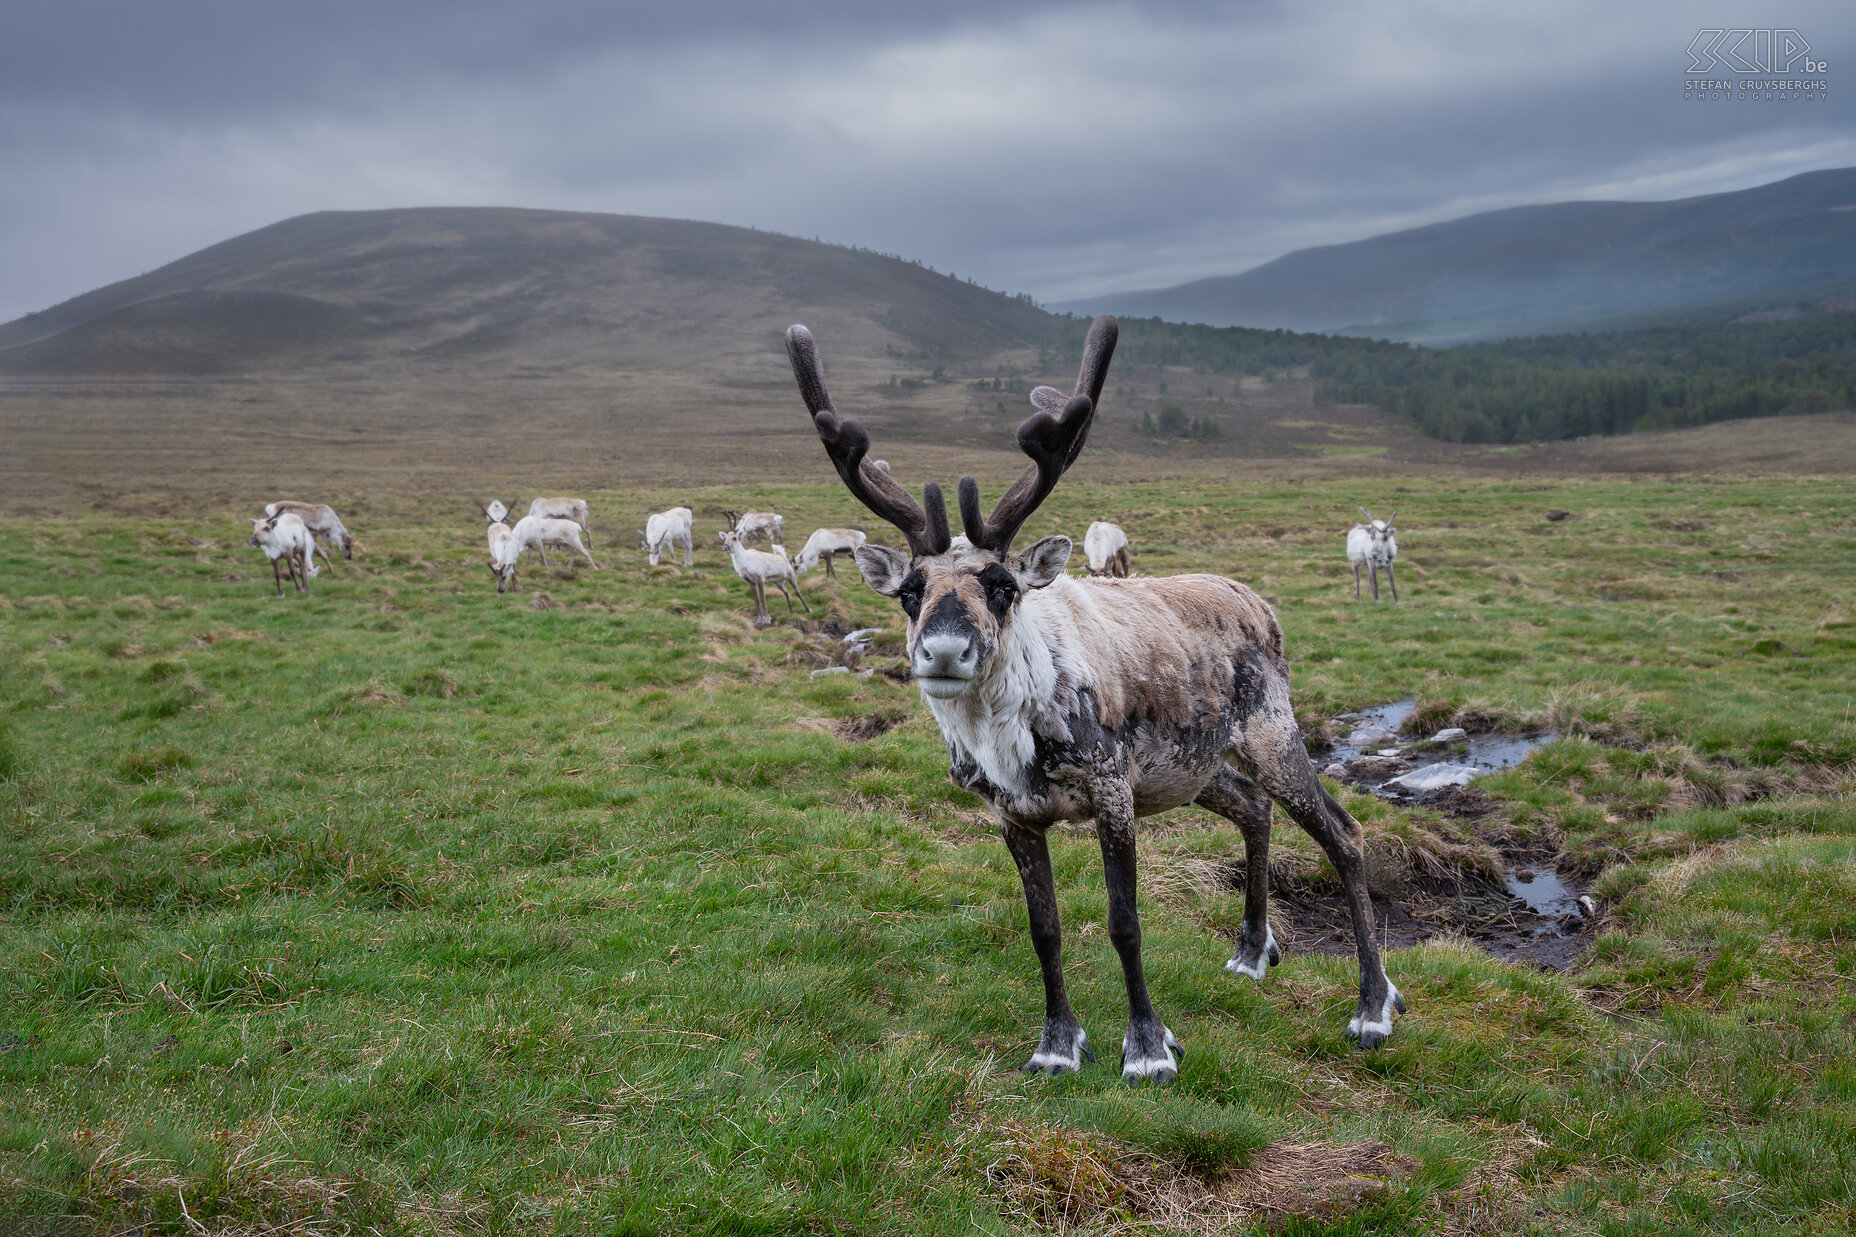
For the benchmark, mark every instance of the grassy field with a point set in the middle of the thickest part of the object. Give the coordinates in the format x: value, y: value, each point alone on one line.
x: 402, y: 907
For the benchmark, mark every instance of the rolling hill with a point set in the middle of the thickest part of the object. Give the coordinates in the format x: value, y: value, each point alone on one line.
x: 1538, y: 269
x: 387, y: 293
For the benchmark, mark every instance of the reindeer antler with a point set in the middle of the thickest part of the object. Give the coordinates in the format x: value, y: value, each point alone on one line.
x: 847, y: 443
x: 1053, y: 437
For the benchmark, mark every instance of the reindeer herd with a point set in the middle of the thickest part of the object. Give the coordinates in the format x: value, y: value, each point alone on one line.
x: 291, y: 534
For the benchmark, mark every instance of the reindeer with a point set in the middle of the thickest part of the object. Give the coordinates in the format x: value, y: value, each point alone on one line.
x: 664, y: 529
x: 504, y: 550
x: 761, y: 568
x: 323, y: 525
x: 287, y: 542
x: 1066, y: 699
x: 752, y: 524
x: 562, y: 509
x: 1107, y: 549
x: 535, y: 533
x: 1372, y: 545
x: 827, y: 544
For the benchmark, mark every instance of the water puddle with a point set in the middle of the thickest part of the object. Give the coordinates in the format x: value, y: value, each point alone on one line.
x: 1531, y: 915
x: 1543, y: 891
x: 1371, y: 755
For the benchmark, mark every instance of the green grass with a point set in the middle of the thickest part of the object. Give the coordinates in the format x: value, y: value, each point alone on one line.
x: 403, y: 907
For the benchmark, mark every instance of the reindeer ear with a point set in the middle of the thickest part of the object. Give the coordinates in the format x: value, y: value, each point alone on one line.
x: 884, y: 569
x: 1042, y: 563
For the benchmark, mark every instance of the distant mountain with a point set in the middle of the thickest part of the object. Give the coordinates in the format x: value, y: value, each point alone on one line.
x: 1537, y: 269
x: 397, y: 292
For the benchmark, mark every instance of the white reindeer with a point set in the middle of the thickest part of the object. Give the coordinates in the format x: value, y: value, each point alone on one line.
x: 752, y: 524
x: 562, y: 509
x: 827, y: 544
x: 1107, y: 548
x: 664, y: 529
x: 504, y: 551
x: 287, y: 542
x: 323, y: 525
x: 1065, y: 699
x: 535, y: 533
x: 761, y: 568
x: 1371, y: 545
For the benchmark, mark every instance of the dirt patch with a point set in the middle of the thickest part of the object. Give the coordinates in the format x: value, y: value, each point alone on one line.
x: 863, y: 729
x: 1314, y: 919
x: 1524, y: 909
x: 1058, y: 1178
x: 1310, y: 1179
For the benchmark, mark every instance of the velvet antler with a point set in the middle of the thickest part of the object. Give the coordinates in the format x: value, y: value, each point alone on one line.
x: 1053, y: 437
x: 847, y: 443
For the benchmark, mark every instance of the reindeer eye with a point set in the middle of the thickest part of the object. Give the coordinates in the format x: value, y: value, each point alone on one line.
x: 1001, y: 589
x: 910, y: 595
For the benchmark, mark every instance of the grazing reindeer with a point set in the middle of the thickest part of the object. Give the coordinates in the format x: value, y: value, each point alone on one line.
x: 534, y: 533
x: 323, y: 525
x: 562, y: 509
x: 664, y: 529
x: 287, y: 542
x: 827, y: 544
x: 1371, y: 545
x: 1065, y: 699
x: 504, y: 550
x: 761, y: 568
x: 1107, y: 548
x: 752, y: 524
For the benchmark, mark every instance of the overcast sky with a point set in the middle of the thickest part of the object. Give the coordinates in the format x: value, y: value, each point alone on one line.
x: 1055, y: 149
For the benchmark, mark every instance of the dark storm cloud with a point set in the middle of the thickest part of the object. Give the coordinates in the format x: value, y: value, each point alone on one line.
x: 1057, y: 149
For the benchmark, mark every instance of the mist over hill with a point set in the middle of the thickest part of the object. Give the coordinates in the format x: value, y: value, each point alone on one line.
x: 1536, y: 269
x: 395, y: 292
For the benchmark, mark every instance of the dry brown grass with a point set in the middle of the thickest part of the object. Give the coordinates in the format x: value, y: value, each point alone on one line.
x: 1081, y: 1182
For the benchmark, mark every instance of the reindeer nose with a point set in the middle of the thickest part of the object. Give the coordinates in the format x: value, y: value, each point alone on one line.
x: 946, y: 656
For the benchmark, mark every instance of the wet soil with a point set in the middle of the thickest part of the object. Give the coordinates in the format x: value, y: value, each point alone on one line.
x: 1315, y: 920
x: 1531, y: 917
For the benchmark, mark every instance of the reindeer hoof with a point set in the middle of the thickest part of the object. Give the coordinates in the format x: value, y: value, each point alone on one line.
x: 1052, y: 1060
x: 1254, y: 958
x: 1147, y: 1057
x: 1373, y: 1031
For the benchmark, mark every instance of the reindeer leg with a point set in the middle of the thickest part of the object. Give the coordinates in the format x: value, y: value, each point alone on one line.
x: 801, y: 593
x: 1063, y: 1045
x: 689, y: 551
x: 831, y: 571
x: 761, y: 617
x: 1149, y: 1050
x: 1393, y: 582
x: 1275, y: 759
x: 1372, y: 572
x: 277, y: 577
x: 589, y: 556
x: 1356, y: 581
x: 1237, y: 799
